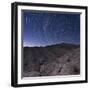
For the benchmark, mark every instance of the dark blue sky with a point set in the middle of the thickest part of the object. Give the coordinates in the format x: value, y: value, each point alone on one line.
x: 45, y: 28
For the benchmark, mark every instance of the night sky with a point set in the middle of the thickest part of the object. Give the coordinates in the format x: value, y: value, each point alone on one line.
x: 45, y: 28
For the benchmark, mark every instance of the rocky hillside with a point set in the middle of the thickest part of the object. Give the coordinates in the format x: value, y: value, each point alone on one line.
x: 61, y: 59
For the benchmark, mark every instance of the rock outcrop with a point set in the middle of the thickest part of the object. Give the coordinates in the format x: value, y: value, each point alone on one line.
x: 53, y: 60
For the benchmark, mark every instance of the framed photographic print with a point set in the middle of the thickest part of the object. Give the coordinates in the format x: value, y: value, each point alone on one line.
x: 49, y: 44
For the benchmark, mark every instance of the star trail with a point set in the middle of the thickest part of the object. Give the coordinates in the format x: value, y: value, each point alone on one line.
x: 45, y: 28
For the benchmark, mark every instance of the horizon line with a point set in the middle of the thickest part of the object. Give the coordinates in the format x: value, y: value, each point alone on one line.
x: 51, y: 45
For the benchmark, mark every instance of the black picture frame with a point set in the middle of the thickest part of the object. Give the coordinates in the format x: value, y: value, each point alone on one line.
x: 14, y: 43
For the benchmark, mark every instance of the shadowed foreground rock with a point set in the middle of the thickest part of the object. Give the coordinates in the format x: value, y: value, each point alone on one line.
x: 63, y: 59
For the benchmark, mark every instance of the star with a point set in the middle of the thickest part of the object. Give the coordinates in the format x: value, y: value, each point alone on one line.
x: 62, y: 30
x: 26, y: 20
x: 45, y: 25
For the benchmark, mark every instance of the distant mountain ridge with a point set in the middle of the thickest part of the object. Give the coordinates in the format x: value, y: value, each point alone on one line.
x: 38, y: 59
x: 62, y: 44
